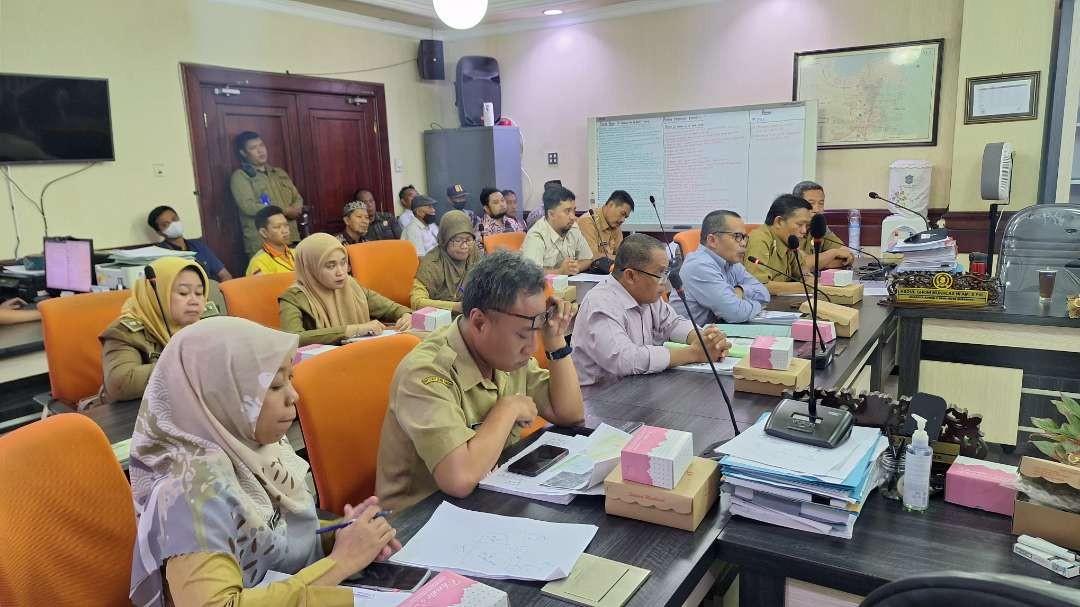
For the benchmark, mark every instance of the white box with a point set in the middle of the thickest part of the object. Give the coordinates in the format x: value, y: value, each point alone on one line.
x: 657, y: 456
x: 114, y: 276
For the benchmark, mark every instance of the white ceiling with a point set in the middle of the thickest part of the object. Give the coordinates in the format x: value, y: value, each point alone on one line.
x: 498, y: 10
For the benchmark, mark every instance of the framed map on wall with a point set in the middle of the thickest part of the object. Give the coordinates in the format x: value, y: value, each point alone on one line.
x: 873, y: 96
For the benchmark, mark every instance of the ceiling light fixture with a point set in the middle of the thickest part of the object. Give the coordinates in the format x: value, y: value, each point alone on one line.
x: 461, y: 14
x: 551, y: 12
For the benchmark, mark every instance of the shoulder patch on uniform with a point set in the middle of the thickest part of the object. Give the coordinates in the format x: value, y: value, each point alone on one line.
x: 211, y: 309
x: 435, y: 379
x: 131, y: 324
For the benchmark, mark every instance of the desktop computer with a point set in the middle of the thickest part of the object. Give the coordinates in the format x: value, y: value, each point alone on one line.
x: 69, y: 264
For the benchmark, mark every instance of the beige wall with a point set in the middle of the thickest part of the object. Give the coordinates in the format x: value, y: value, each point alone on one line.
x: 138, y: 45
x: 735, y: 52
x: 1001, y: 37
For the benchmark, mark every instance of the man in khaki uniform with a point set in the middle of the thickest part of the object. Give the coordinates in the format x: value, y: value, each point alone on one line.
x: 463, y: 395
x: 555, y: 243
x: 788, y: 216
x: 256, y: 184
x: 833, y: 252
x: 603, y: 229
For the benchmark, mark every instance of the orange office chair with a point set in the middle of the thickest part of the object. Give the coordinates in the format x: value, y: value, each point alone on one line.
x: 690, y: 240
x: 387, y: 267
x: 511, y: 241
x: 67, y: 523
x: 70, y: 326
x: 344, y: 395
x: 255, y: 297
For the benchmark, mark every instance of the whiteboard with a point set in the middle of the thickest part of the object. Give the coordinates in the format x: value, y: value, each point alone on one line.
x: 697, y: 161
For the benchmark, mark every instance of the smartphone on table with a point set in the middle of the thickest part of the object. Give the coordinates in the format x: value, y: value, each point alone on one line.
x: 537, y: 460
x: 381, y: 575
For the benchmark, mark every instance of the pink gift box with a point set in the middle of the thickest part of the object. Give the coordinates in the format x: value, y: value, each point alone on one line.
x: 558, y: 282
x: 772, y: 352
x: 802, y: 330
x: 429, y: 319
x: 657, y: 456
x: 980, y: 484
x: 836, y: 278
x: 449, y: 589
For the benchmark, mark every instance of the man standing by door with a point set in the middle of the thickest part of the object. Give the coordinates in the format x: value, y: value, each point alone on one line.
x: 256, y: 185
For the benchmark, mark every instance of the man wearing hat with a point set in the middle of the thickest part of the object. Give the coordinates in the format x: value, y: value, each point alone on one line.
x: 423, y: 232
x: 357, y: 221
x: 457, y: 197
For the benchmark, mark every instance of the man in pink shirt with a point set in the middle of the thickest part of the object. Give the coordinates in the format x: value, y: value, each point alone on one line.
x: 623, y: 323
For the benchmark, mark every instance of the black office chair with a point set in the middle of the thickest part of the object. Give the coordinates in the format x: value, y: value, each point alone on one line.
x: 957, y: 589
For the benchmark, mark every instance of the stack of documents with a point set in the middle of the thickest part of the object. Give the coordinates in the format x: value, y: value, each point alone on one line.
x: 775, y: 317
x: 145, y: 255
x: 582, y: 472
x: 800, y: 486
x: 936, y: 256
x: 478, y: 544
x: 740, y: 349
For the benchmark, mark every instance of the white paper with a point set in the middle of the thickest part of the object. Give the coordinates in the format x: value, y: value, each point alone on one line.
x: 20, y: 270
x: 495, y: 547
x: 1001, y: 98
x: 362, y: 597
x: 385, y: 333
x: 874, y: 288
x: 724, y: 367
x: 775, y: 317
x: 586, y: 277
x: 150, y: 252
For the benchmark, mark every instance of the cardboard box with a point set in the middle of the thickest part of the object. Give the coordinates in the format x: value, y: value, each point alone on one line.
x: 771, y: 352
x: 1053, y: 525
x: 429, y: 319
x: 846, y: 319
x: 448, y: 589
x: 836, y: 278
x: 310, y: 351
x: 771, y: 381
x: 683, y: 507
x: 848, y: 296
x: 980, y: 484
x: 558, y: 282
x: 803, y: 329
x: 657, y: 456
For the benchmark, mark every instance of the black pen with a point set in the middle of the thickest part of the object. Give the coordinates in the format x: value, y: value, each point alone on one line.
x: 335, y: 527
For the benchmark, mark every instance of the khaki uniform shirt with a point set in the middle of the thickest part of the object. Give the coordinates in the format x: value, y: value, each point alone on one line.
x: 764, y: 245
x: 544, y: 246
x: 437, y: 399
x: 248, y: 191
x: 294, y: 310
x: 831, y: 242
x: 606, y: 234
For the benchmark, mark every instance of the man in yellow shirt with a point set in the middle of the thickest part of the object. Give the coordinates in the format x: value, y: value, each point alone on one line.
x: 833, y: 252
x: 603, y: 229
x: 275, y: 254
x: 788, y: 216
x: 256, y: 184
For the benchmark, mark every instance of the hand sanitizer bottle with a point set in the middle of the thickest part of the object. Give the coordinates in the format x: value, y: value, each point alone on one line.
x: 917, y: 468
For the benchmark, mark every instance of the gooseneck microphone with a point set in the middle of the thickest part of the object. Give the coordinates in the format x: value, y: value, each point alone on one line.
x: 151, y: 277
x: 927, y: 235
x: 480, y: 237
x: 925, y: 218
x: 793, y: 246
x: 676, y: 283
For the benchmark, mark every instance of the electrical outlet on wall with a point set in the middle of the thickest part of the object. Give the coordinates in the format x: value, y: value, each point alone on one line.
x: 399, y: 166
x: 553, y: 159
x: 159, y: 170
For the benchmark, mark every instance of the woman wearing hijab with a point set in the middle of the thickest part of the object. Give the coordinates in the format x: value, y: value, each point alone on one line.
x: 219, y: 493
x: 326, y: 304
x: 441, y: 276
x: 154, y: 313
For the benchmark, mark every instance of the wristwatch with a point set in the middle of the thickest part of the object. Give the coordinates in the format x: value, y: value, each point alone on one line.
x: 561, y: 353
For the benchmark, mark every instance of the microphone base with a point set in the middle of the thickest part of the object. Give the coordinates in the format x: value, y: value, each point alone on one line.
x: 791, y: 420
x: 820, y: 360
x: 933, y: 235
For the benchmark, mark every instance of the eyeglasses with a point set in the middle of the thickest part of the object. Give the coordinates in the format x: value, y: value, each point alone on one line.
x: 738, y: 237
x: 661, y: 277
x: 461, y: 241
x: 535, y: 322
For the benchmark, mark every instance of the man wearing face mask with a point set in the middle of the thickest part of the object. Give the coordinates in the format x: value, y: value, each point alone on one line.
x: 456, y: 199
x: 165, y: 221
x: 423, y: 232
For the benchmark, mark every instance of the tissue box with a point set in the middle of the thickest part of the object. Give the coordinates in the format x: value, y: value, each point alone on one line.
x: 449, y: 589
x: 657, y: 456
x: 978, y: 484
x: 558, y: 282
x: 429, y: 319
x: 836, y: 278
x: 1053, y: 525
x: 771, y: 381
x: 803, y: 329
x: 848, y: 295
x: 307, y: 352
x: 772, y: 352
x: 846, y: 319
x: 682, y: 507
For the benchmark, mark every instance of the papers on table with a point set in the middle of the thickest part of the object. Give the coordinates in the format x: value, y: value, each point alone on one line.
x: 495, y: 547
x: 774, y: 317
x: 145, y: 255
x: 582, y: 472
x: 875, y: 288
x: 361, y: 596
x: 724, y: 367
x: 385, y: 333
x: 933, y: 256
x: 756, y: 330
x: 594, y: 278
x: 20, y: 270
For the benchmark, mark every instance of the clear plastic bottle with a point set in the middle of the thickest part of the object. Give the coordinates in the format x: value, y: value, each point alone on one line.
x: 917, y: 460
x: 854, y: 231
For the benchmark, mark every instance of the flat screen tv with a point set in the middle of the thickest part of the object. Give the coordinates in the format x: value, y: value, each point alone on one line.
x: 54, y: 119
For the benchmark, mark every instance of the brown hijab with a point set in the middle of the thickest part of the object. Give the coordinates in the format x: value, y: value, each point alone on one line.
x: 331, y: 307
x: 443, y: 275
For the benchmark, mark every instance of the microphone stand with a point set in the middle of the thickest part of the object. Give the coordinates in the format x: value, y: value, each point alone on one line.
x: 676, y: 283
x: 927, y: 234
x: 825, y: 358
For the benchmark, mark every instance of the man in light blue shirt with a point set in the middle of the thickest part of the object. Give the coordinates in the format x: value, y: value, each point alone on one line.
x: 717, y: 286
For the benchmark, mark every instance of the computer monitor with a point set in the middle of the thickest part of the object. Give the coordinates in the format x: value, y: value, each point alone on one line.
x: 69, y: 264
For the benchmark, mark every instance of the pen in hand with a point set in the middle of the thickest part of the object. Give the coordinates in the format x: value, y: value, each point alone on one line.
x: 335, y: 527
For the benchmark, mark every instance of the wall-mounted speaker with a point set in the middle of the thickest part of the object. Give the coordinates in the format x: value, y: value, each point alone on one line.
x: 429, y: 60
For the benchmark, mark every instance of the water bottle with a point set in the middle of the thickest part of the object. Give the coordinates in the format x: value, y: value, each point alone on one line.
x: 854, y: 230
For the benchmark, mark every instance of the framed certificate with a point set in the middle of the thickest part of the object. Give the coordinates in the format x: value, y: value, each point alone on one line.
x: 1002, y: 98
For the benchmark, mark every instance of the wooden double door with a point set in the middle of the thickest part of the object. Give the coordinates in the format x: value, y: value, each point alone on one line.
x: 329, y: 135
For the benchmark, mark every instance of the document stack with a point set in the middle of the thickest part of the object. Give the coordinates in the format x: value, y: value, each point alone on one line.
x: 801, y: 486
x: 145, y: 255
x: 933, y: 256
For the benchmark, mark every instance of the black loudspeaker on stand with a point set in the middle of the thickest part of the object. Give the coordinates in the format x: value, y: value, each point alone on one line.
x: 478, y: 82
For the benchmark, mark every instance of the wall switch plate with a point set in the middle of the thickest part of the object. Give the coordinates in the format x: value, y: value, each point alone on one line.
x: 553, y: 159
x: 159, y: 170
x: 399, y: 166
